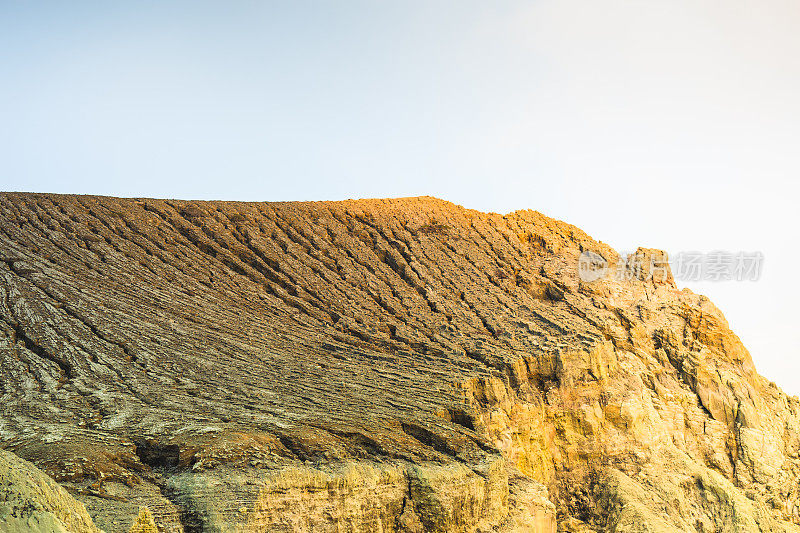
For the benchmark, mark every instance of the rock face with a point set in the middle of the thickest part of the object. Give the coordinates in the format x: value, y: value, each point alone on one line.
x: 30, y: 501
x: 374, y: 365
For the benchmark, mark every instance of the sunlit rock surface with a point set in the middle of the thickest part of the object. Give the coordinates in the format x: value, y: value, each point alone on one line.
x: 32, y: 502
x: 373, y: 365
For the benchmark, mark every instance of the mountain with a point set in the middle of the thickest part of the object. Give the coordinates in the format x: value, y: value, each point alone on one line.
x: 373, y: 365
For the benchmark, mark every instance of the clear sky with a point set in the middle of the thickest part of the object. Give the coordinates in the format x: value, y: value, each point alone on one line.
x: 670, y: 124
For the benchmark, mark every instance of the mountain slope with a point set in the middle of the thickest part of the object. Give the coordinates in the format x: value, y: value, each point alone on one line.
x: 373, y: 365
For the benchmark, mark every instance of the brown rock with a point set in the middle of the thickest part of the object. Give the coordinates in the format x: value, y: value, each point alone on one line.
x: 374, y: 365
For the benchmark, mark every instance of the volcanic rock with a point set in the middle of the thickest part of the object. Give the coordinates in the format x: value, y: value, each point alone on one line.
x: 372, y: 365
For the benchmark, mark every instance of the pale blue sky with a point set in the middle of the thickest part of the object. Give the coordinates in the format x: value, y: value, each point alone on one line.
x: 668, y: 124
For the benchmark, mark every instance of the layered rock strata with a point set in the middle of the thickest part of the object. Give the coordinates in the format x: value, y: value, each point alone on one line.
x: 374, y: 365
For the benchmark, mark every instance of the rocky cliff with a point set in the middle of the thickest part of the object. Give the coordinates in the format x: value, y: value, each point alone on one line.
x: 373, y: 365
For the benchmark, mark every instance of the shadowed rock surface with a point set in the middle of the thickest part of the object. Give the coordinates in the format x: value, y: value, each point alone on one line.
x: 373, y: 365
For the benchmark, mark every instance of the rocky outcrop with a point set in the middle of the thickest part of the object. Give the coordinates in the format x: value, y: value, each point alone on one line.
x: 30, y: 501
x: 374, y: 365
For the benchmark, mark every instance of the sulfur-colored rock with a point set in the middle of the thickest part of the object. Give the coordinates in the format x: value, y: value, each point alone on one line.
x: 31, y: 502
x: 375, y: 365
x: 144, y: 522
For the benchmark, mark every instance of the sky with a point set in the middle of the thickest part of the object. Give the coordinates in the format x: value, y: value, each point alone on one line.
x: 673, y: 125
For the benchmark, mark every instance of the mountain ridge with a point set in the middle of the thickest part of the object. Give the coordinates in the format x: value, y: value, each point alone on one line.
x: 401, y: 364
